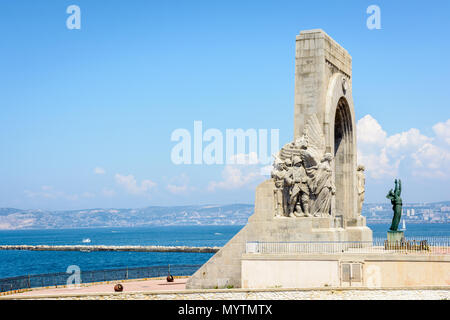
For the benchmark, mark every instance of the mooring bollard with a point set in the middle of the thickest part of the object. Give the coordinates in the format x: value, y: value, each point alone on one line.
x: 169, y: 276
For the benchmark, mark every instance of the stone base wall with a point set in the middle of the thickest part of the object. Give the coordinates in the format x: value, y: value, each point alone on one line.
x: 224, y: 268
x: 326, y: 270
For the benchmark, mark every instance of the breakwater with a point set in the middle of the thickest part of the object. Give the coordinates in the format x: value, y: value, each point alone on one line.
x: 89, y: 248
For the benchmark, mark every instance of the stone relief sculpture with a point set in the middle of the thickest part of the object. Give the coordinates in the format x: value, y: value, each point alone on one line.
x: 307, y: 188
x: 297, y: 182
x: 278, y: 175
x: 361, y: 186
x: 324, y: 187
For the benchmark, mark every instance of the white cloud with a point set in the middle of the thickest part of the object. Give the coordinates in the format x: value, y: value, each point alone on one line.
x: 372, y: 152
x: 89, y: 195
x: 99, y: 170
x: 378, y: 165
x: 179, y: 185
x: 244, y: 158
x: 370, y: 132
x: 48, y: 192
x: 45, y: 193
x: 407, y: 141
x: 177, y: 189
x: 382, y: 154
x: 431, y: 161
x: 130, y: 184
x: 266, y: 170
x: 239, y: 175
x: 442, y: 130
x: 108, y: 192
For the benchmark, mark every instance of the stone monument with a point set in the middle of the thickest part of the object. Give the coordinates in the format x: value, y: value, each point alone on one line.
x: 315, y: 192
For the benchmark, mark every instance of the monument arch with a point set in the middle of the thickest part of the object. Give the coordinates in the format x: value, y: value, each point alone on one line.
x: 340, y: 130
x: 344, y: 166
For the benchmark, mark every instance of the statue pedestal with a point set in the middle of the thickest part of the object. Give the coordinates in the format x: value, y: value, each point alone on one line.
x: 225, y: 267
x: 394, y: 236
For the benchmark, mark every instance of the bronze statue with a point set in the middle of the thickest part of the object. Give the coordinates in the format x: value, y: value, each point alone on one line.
x: 396, y: 201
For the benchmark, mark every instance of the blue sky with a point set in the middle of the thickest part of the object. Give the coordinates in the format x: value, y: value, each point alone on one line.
x: 109, y: 95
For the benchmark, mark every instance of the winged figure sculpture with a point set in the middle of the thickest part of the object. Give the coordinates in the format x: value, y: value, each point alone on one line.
x: 313, y: 153
x: 310, y: 146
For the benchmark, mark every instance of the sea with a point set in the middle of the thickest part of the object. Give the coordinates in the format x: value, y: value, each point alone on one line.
x: 20, y: 263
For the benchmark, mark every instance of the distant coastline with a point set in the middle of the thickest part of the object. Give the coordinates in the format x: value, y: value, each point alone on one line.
x: 193, y: 215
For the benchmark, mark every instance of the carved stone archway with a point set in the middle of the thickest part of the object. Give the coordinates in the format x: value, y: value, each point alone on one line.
x: 341, y: 143
x: 343, y: 160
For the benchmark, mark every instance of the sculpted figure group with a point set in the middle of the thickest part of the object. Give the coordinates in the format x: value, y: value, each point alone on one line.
x: 303, y: 176
x: 303, y: 191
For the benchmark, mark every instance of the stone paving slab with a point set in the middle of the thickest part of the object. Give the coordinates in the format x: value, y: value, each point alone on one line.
x: 128, y: 286
x: 160, y: 289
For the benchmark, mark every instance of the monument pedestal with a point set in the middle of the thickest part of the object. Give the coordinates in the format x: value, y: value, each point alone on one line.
x: 224, y: 268
x: 394, y: 237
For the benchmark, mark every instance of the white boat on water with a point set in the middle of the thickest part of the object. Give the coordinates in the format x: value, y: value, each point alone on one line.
x: 86, y: 240
x: 403, y: 225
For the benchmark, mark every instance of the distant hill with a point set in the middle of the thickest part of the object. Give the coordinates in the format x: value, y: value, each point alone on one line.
x: 234, y: 214
x: 8, y: 211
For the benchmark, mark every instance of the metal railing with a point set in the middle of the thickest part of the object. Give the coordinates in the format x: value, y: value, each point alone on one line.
x: 61, y: 278
x: 425, y: 245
